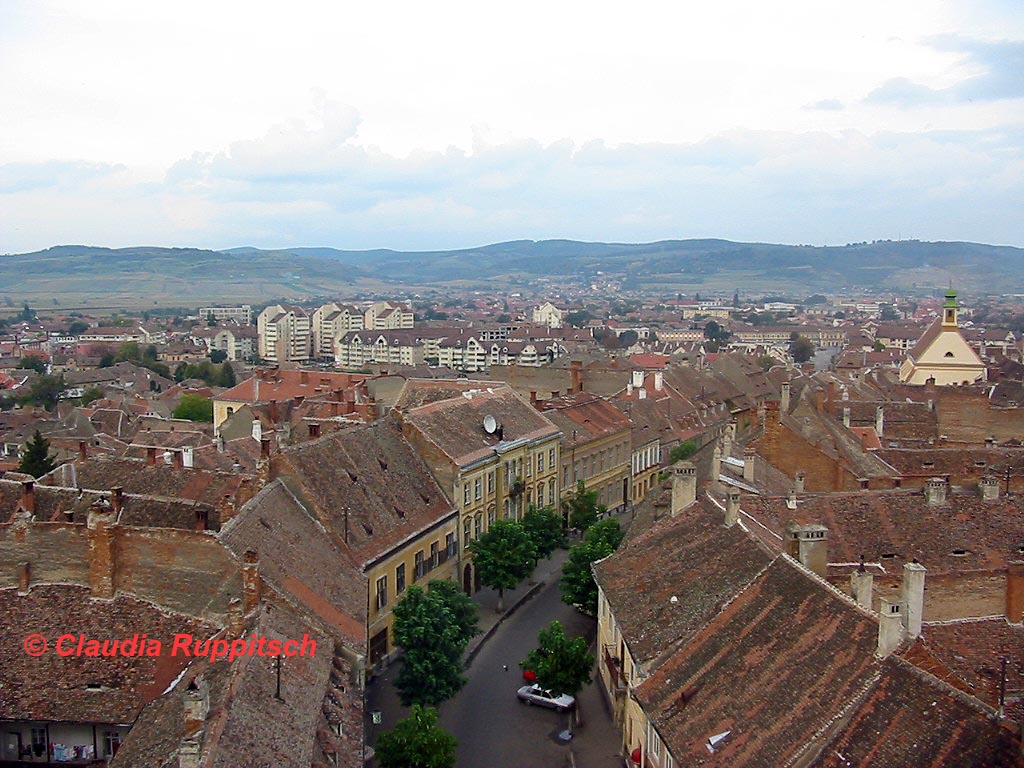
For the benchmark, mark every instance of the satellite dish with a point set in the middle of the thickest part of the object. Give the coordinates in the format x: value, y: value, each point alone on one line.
x: 490, y: 425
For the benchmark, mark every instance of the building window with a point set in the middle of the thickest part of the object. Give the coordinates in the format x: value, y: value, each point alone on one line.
x: 465, y: 494
x: 111, y: 742
x: 400, y: 579
x: 382, y: 592
x: 467, y: 526
x: 449, y: 544
x: 565, y: 476
x: 653, y: 743
x: 551, y: 458
x: 478, y: 523
x: 540, y: 462
x: 492, y: 513
x: 551, y: 492
x: 490, y: 483
x: 419, y: 569
x: 435, y: 555
x: 478, y: 488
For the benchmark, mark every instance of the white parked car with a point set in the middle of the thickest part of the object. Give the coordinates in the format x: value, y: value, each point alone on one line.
x: 534, y: 694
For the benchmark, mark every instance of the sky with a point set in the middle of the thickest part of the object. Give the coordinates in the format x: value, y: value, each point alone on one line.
x: 413, y: 125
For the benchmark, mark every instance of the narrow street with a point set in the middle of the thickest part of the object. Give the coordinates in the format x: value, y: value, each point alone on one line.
x: 493, y: 727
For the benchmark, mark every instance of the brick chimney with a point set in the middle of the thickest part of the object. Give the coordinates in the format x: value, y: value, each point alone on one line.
x: 749, y: 458
x: 265, y: 448
x: 117, y: 500
x: 251, y: 582
x: 913, y: 597
x: 533, y: 397
x: 27, y: 503
x: 236, y: 618
x: 197, y: 707
x: 989, y: 487
x: 890, y: 628
x: 24, y: 578
x: 880, y: 420
x: 226, y: 508
x: 684, y: 485
x: 732, y: 507
x: 935, y: 491
x: 819, y: 400
x: 83, y: 450
x: 1015, y: 592
x: 151, y: 456
x: 809, y: 545
x: 100, y: 524
x: 576, y: 372
x: 784, y: 400
x: 861, y: 585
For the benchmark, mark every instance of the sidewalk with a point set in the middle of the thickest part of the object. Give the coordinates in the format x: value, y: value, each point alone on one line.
x: 487, y: 599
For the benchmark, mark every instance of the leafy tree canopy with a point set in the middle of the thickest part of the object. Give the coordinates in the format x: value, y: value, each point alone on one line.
x: 562, y: 664
x: 36, y: 460
x: 578, y: 585
x: 682, y: 451
x: 194, y: 408
x: 416, y: 742
x: 584, y: 509
x: 433, y: 640
x: 802, y: 349
x: 504, y: 556
x: 33, y: 363
x: 544, y: 527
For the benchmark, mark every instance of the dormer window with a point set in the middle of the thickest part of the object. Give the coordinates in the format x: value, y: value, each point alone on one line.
x: 961, y: 552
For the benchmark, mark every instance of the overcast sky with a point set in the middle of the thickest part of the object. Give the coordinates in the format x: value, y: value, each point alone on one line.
x: 450, y: 124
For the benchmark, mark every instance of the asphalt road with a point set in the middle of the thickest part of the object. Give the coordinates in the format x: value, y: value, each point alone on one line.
x: 494, y: 728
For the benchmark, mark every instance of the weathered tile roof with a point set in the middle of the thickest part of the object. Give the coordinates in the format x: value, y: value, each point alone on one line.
x: 367, y: 485
x: 896, y: 527
x: 455, y: 425
x: 54, y: 687
x: 693, y: 557
x: 910, y: 719
x: 298, y: 558
x: 780, y: 661
x: 583, y: 417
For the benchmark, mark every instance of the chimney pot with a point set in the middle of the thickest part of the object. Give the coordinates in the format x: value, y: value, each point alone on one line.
x: 117, y: 499
x: 83, y: 452
x: 935, y: 491
x: 24, y: 577
x: 913, y: 597
x: 732, y: 507
x: 808, y: 544
x: 749, y: 459
x: 28, y: 496
x: 684, y: 485
x: 989, y: 487
x: 846, y: 417
x: 890, y: 628
x: 801, y: 480
x: 1015, y: 592
x: 861, y: 584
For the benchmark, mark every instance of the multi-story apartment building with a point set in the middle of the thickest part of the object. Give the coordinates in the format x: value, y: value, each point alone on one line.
x: 330, y: 322
x: 387, y: 315
x: 595, y: 447
x: 488, y: 447
x: 241, y: 315
x: 238, y: 342
x: 285, y: 334
x: 548, y: 314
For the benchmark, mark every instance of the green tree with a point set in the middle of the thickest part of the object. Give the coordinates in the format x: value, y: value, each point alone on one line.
x: 433, y: 641
x: 416, y: 742
x: 36, y: 460
x: 682, y: 451
x: 27, y: 314
x: 463, y: 611
x: 583, y: 507
x: 578, y: 586
x: 226, y: 376
x: 194, y: 408
x: 33, y: 363
x: 45, y: 391
x: 77, y: 327
x: 544, y: 527
x: 562, y: 664
x: 802, y: 349
x: 579, y: 318
x: 128, y: 352
x: 504, y: 556
x: 218, y: 356
x: 90, y: 394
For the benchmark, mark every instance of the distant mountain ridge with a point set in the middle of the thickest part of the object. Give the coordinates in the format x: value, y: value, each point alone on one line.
x: 153, y: 275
